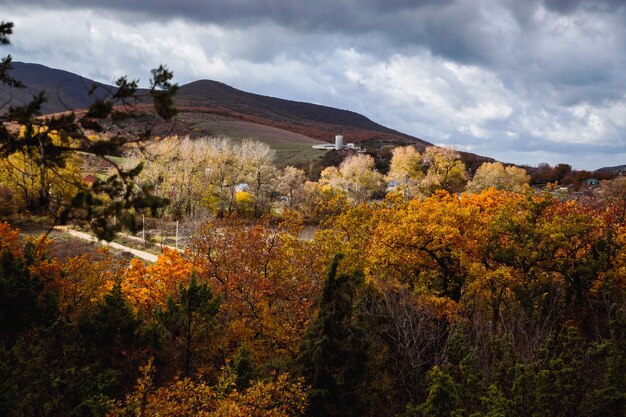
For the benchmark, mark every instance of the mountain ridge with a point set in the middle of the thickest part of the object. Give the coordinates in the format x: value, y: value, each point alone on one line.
x: 69, y: 91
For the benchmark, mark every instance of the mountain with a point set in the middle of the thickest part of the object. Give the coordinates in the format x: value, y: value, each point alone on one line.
x: 211, y: 108
x: 316, y: 121
x: 65, y: 90
x: 68, y: 91
x: 618, y: 170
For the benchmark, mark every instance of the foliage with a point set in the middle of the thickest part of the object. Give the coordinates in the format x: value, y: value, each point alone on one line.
x: 183, y: 397
x: 443, y: 396
x: 291, y: 184
x: 46, y: 144
x: 445, y: 170
x: 334, y: 350
x: 267, y: 280
x: 209, y: 171
x: 188, y: 320
x: 405, y: 170
x: 484, y: 304
x: 355, y: 176
x: 495, y: 174
x: 147, y: 287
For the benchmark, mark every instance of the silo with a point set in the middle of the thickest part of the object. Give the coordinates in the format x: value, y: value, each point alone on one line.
x: 338, y: 142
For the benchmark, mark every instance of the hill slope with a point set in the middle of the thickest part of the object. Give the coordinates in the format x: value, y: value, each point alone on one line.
x: 67, y: 91
x: 313, y: 120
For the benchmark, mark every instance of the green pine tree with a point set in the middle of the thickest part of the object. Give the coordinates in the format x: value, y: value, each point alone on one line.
x: 189, y: 319
x: 334, y: 354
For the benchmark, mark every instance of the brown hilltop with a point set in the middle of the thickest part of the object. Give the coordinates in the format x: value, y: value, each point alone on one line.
x: 211, y: 108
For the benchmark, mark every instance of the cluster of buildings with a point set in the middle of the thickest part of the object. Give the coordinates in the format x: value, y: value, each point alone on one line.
x: 339, y: 146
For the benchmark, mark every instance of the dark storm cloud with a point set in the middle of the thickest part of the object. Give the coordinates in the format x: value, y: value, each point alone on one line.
x: 463, y: 30
x: 304, y: 15
x: 567, y: 6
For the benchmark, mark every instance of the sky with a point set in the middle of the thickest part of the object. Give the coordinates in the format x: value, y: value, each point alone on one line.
x: 521, y: 81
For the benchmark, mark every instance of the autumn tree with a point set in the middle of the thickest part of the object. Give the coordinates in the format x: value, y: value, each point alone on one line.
x: 406, y: 170
x: 496, y: 175
x: 445, y: 170
x: 176, y: 167
x: 291, y: 184
x: 86, y: 279
x: 543, y: 174
x: 277, y: 397
x: 356, y: 176
x: 267, y: 279
x: 148, y: 286
x: 421, y: 243
x: 613, y: 192
x: 260, y: 174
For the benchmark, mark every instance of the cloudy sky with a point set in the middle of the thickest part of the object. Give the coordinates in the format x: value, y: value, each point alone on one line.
x: 524, y: 81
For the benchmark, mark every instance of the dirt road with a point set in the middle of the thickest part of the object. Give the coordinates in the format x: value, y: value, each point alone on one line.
x: 135, y: 252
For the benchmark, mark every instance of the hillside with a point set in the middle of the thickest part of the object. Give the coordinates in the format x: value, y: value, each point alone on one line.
x: 313, y: 120
x: 618, y: 170
x: 65, y: 90
x: 68, y: 91
x: 211, y: 108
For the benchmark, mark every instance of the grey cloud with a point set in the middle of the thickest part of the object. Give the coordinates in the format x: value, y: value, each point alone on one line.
x: 326, y: 14
x: 568, y: 6
x: 462, y: 30
x: 448, y: 27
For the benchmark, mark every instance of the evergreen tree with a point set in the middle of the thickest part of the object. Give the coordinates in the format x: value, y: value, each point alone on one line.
x: 443, y: 396
x: 334, y: 350
x: 115, y: 337
x: 24, y: 300
x: 244, y: 368
x: 189, y: 319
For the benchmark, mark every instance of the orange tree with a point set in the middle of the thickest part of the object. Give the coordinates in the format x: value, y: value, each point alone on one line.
x: 267, y: 279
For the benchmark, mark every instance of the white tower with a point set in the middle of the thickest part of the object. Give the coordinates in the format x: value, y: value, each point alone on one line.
x: 338, y: 142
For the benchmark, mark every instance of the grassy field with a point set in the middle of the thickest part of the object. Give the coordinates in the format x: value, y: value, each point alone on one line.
x: 295, y: 154
x: 291, y: 148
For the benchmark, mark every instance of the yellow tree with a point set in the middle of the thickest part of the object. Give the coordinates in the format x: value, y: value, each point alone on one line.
x: 445, y: 170
x: 87, y: 278
x: 260, y: 173
x: 19, y: 174
x: 177, y: 167
x: 291, y: 184
x: 276, y: 397
x: 148, y: 286
x: 405, y: 170
x: 356, y: 176
x: 421, y: 243
x: 496, y: 175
